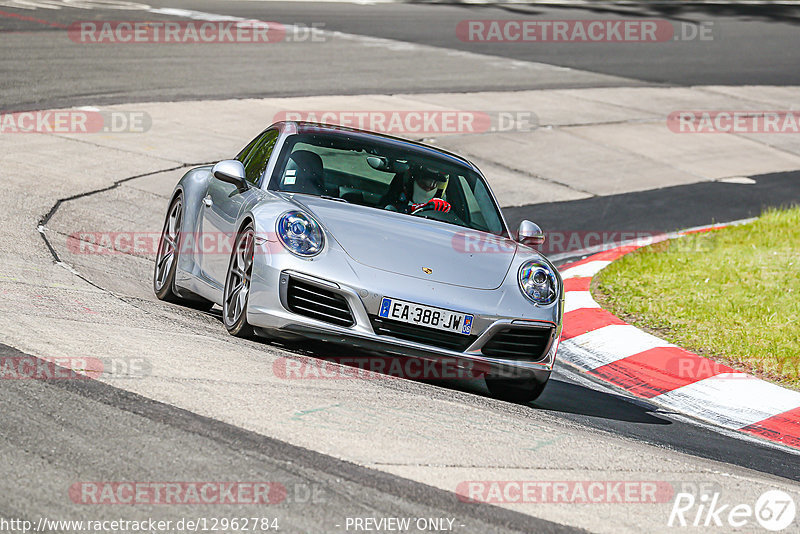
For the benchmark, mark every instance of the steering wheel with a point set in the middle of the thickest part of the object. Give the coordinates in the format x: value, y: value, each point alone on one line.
x: 424, y: 207
x: 444, y: 216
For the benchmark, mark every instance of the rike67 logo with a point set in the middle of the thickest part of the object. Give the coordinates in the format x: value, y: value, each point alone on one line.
x: 774, y: 510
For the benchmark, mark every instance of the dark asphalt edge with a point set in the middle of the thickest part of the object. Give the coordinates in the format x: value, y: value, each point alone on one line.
x: 665, y: 209
x: 241, y: 439
x: 57, y: 103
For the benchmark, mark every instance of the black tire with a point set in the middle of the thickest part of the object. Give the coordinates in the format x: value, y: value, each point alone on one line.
x: 237, y: 285
x: 167, y: 261
x: 517, y: 390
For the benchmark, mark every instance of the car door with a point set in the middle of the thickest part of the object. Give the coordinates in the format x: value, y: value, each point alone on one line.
x: 223, y: 203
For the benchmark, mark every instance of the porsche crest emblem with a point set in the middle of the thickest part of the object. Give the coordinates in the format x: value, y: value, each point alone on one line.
x: 427, y: 270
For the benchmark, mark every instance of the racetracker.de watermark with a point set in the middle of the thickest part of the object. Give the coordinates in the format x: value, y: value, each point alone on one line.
x: 691, y: 367
x: 75, y: 121
x: 585, y: 241
x: 564, y: 492
x: 145, y: 244
x: 556, y: 241
x: 734, y: 121
x: 582, y: 31
x: 177, y: 493
x: 420, y: 122
x: 71, y: 368
x: 194, y: 32
x: 176, y: 32
x: 372, y: 367
x: 131, y: 492
x: 138, y: 243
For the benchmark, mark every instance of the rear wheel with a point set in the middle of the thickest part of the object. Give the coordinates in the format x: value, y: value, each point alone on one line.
x: 167, y: 260
x: 237, y: 284
x: 519, y: 390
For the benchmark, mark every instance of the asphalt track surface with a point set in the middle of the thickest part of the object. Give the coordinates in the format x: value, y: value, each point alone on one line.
x: 667, y: 209
x: 43, y: 69
x: 319, y: 490
x: 763, y: 36
x: 91, y: 445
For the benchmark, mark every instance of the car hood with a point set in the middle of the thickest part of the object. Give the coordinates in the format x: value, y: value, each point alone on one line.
x: 411, y: 246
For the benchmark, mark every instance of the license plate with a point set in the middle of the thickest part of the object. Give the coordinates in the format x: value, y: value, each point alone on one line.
x: 419, y: 314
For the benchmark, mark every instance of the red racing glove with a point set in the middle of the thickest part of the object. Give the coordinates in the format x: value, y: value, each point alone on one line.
x: 437, y: 203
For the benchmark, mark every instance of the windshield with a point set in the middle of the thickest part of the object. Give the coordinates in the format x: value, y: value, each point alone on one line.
x: 388, y: 176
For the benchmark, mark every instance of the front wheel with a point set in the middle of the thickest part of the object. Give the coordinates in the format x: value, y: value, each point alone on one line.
x: 237, y: 284
x: 167, y: 260
x: 518, y: 390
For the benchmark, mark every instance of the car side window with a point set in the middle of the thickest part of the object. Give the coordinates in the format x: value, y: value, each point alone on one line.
x: 256, y: 155
x: 242, y: 156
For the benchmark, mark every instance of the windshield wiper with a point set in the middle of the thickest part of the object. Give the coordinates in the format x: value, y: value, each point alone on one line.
x: 337, y: 199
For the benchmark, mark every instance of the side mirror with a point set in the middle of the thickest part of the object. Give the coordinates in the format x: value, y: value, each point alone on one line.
x: 530, y: 234
x: 230, y: 171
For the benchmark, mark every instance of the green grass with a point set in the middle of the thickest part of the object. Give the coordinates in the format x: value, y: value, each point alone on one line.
x: 731, y: 294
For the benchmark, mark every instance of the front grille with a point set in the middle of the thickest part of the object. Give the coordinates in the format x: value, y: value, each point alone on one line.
x: 318, y: 303
x: 515, y: 343
x: 421, y: 334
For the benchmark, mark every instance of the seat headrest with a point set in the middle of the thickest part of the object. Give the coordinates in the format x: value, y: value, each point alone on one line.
x: 309, y: 165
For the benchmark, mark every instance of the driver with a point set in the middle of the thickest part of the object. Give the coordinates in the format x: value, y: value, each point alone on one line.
x: 421, y: 190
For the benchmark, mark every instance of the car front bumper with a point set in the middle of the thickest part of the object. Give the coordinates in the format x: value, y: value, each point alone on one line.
x: 268, y: 312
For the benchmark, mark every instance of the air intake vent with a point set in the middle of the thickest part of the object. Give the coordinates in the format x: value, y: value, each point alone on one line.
x: 318, y: 303
x: 421, y: 334
x: 519, y: 343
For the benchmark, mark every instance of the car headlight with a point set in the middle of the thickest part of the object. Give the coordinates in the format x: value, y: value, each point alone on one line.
x: 300, y: 234
x: 538, y: 282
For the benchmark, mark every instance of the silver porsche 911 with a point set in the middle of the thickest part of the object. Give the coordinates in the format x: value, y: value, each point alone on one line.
x: 351, y: 237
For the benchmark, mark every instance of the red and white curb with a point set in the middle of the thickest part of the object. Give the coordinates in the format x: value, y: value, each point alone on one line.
x: 607, y: 348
